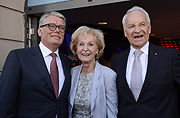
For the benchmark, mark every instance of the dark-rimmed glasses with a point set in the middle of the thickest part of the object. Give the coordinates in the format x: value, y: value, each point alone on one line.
x: 53, y: 27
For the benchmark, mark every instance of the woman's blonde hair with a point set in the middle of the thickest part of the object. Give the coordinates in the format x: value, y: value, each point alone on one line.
x: 83, y: 30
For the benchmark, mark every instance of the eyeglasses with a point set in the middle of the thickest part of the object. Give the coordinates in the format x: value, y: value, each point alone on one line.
x: 53, y: 27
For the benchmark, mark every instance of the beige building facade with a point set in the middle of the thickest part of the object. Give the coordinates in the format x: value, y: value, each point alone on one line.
x: 18, y: 27
x: 11, y: 27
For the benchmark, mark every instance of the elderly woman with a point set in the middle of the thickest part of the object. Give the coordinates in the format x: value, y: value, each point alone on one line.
x: 93, y: 91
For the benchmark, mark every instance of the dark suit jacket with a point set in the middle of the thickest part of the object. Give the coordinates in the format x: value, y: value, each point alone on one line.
x: 26, y: 90
x: 158, y: 97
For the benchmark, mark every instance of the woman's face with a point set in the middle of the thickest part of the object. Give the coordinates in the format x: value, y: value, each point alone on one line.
x: 87, y: 48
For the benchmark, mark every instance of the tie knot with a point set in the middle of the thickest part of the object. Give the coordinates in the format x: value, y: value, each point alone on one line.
x: 53, y: 55
x: 137, y: 53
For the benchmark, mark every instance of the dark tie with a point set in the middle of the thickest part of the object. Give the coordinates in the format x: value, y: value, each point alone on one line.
x: 136, y: 75
x: 54, y: 74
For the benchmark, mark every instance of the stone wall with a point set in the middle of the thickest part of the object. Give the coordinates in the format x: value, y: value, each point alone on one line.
x: 11, y: 27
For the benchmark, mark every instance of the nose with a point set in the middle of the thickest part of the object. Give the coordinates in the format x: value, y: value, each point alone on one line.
x: 137, y: 29
x: 57, y: 30
x: 85, y: 48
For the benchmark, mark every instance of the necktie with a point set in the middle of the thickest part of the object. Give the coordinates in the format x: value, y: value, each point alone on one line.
x: 54, y: 74
x: 136, y: 75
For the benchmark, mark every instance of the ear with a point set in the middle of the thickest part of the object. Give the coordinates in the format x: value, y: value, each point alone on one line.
x: 149, y: 28
x: 39, y: 32
x: 124, y: 32
x: 97, y: 51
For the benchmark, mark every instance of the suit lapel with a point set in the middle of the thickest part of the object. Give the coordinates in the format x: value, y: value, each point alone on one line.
x: 122, y: 71
x: 75, y: 78
x: 123, y: 68
x: 153, y: 58
x: 95, y: 84
x: 38, y: 60
x: 65, y: 64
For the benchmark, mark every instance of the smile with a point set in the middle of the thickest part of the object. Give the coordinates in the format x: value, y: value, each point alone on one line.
x: 56, y: 36
x: 138, y: 37
x: 85, y: 54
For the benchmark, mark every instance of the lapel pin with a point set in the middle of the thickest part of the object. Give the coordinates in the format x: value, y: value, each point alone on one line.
x: 155, y: 53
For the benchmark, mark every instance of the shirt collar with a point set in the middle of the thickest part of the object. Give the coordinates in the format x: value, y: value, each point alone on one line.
x: 144, y: 49
x: 46, y: 51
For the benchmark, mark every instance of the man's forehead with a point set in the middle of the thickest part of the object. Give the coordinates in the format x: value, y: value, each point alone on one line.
x: 136, y: 16
x: 52, y: 19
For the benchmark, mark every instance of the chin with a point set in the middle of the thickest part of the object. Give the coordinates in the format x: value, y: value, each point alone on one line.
x: 57, y: 42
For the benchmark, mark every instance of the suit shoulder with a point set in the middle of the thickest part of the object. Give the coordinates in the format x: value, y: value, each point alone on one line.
x: 108, y: 75
x: 120, y: 54
x: 20, y: 51
x: 107, y: 70
x: 166, y: 50
x: 75, y: 67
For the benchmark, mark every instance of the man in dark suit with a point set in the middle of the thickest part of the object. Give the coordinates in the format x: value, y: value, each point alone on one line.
x: 150, y: 92
x: 26, y: 88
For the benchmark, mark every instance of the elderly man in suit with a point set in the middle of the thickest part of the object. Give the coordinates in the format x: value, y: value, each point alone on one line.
x: 147, y: 75
x: 34, y: 83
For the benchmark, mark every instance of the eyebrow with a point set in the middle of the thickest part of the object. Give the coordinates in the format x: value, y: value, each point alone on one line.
x: 138, y: 23
x: 88, y: 42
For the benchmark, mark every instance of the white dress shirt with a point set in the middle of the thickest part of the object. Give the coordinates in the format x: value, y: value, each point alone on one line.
x: 144, y: 61
x: 47, y: 58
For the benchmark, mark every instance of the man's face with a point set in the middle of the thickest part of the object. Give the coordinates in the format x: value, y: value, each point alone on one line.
x: 137, y: 29
x: 51, y: 39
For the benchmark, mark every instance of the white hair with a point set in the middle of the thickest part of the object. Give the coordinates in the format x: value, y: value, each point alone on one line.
x: 135, y: 8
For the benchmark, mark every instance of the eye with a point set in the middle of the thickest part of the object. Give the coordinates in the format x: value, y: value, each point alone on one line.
x: 52, y: 25
x: 131, y: 26
x: 80, y: 44
x: 62, y: 27
x: 91, y: 44
x: 142, y: 24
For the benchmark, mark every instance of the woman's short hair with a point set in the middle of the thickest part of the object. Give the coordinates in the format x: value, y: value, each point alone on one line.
x: 53, y: 13
x: 83, y: 30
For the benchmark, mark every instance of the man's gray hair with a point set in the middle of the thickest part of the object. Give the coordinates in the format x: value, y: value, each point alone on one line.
x: 53, y: 13
x: 135, y: 8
